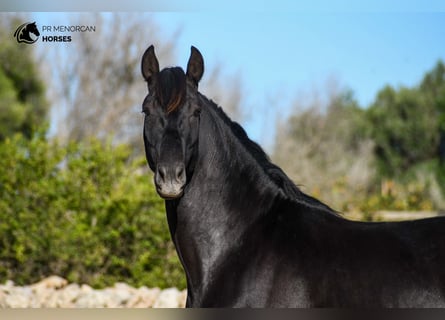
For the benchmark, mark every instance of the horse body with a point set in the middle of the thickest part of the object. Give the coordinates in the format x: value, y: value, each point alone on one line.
x: 246, y: 236
x: 263, y: 249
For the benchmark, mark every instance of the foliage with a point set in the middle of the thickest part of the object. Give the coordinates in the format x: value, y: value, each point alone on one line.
x: 23, y: 106
x: 405, y: 130
x: 343, y: 153
x: 409, y: 127
x: 433, y: 87
x: 85, y: 212
x: 324, y: 148
x: 396, y: 197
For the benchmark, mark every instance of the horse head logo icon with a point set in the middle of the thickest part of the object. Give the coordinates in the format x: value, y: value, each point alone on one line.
x: 24, y: 32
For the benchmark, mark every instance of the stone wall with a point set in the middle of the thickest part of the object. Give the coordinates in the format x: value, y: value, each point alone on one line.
x: 56, y: 292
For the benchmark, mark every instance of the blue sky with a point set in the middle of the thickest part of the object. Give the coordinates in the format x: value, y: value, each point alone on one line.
x: 292, y: 51
x: 281, y: 55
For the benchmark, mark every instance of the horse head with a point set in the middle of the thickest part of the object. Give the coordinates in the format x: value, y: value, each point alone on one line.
x: 32, y: 28
x: 171, y: 123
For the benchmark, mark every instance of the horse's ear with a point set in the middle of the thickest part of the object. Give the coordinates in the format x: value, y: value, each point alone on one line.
x: 195, y: 66
x: 150, y: 64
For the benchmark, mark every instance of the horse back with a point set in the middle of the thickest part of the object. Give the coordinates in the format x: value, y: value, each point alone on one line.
x: 338, y: 262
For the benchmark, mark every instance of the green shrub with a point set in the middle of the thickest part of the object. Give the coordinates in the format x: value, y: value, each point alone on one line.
x: 411, y: 197
x: 86, y: 212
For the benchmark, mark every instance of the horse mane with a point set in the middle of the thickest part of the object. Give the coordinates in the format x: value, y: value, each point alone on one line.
x: 171, y: 88
x: 275, y: 173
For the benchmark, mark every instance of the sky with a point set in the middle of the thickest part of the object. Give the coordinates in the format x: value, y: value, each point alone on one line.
x: 282, y: 55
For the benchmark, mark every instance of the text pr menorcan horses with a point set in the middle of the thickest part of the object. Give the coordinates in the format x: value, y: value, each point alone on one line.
x: 248, y: 237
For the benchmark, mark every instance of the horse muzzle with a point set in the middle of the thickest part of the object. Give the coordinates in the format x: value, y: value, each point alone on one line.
x: 170, y: 181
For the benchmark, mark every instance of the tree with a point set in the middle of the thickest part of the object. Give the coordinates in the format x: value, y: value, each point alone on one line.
x: 324, y: 147
x: 433, y: 87
x: 405, y: 130
x: 409, y: 123
x: 23, y: 106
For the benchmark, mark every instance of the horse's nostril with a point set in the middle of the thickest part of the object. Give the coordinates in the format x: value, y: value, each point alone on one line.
x: 162, y: 172
x: 180, y: 173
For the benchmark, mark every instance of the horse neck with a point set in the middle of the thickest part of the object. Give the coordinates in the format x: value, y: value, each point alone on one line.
x: 223, y: 203
x: 232, y: 176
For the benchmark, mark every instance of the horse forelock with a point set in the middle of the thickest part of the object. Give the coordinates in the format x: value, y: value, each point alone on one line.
x: 170, y: 88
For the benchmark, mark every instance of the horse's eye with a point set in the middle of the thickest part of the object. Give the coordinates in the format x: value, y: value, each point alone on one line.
x: 197, y: 112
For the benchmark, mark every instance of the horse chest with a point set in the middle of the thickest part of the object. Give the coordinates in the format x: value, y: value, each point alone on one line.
x: 259, y: 288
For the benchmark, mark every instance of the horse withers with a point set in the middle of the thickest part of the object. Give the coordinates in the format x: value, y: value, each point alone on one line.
x: 248, y: 237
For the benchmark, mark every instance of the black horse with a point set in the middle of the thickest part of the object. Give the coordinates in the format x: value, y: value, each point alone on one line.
x: 248, y: 237
x: 23, y: 33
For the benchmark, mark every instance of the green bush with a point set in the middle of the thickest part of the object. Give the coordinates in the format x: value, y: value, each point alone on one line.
x: 86, y: 212
x: 397, y: 197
